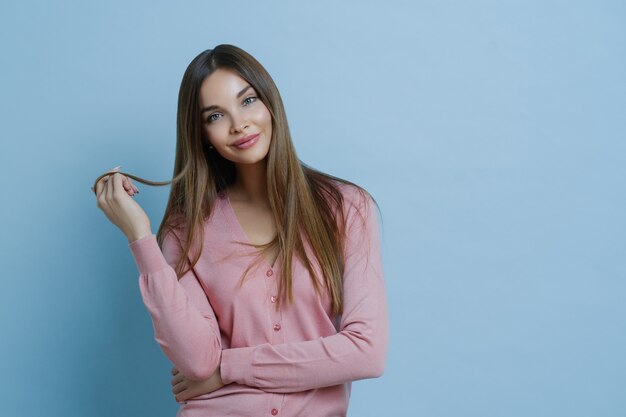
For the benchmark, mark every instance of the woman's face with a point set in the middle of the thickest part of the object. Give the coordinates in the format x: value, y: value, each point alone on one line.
x: 231, y: 110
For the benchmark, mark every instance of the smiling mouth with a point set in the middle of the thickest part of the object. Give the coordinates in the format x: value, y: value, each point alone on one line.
x: 245, y: 140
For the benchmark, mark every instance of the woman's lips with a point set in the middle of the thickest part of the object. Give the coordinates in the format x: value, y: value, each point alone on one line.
x: 248, y: 143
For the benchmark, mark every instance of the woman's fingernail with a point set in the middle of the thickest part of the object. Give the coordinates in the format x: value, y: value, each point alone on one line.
x: 117, y: 167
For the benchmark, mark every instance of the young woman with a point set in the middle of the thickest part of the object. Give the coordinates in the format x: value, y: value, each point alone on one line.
x: 264, y: 281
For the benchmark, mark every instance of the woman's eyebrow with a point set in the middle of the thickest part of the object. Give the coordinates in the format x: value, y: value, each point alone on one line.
x: 239, y: 94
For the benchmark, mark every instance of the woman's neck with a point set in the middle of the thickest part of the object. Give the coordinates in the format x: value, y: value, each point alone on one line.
x: 250, y: 184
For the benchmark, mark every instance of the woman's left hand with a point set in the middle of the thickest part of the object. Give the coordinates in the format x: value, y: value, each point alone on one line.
x: 185, y: 389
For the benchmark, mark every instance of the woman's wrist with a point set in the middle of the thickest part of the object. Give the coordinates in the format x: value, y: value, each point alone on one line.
x: 138, y: 235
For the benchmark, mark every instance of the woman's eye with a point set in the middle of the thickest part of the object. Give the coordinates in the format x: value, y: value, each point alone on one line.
x: 250, y: 100
x: 211, y: 118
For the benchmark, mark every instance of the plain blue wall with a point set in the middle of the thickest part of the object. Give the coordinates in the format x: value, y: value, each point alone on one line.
x: 492, y: 134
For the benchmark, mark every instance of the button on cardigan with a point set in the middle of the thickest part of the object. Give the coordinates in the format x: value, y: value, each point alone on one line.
x: 297, y: 361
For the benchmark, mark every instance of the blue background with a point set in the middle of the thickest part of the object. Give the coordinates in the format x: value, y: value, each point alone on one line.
x: 492, y: 134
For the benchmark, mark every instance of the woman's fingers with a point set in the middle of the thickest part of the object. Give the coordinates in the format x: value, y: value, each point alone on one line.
x: 177, y: 378
x: 180, y: 386
x: 184, y: 395
x: 132, y: 185
x: 130, y: 190
x: 184, y: 389
x: 102, y: 181
x: 192, y: 389
x: 129, y: 186
x: 119, y: 207
x: 120, y: 183
x: 110, y: 186
x: 99, y: 186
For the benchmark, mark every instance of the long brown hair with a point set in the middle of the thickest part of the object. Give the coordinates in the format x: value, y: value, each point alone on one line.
x: 306, y: 203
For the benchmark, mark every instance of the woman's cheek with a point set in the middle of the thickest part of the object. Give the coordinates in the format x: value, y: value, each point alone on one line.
x: 213, y: 132
x: 266, y: 119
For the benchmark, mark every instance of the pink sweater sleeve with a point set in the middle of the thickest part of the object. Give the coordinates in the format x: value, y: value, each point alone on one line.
x: 184, y: 323
x: 356, y: 352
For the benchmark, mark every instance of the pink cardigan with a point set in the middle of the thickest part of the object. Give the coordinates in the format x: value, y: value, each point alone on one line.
x: 298, y: 361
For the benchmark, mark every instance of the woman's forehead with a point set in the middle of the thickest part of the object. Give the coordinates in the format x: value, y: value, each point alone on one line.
x: 223, y: 82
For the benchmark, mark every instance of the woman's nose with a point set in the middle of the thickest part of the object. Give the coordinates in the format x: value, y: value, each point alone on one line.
x: 238, y: 125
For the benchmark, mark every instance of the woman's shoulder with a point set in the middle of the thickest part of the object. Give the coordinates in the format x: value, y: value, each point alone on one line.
x: 357, y: 202
x: 353, y: 195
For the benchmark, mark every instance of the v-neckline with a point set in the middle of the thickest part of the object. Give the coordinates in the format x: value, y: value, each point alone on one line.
x: 237, y: 229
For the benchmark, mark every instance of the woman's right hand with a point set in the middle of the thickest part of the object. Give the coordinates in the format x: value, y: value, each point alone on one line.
x: 114, y: 199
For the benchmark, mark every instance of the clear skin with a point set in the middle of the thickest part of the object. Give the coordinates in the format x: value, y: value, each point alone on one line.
x: 234, y: 118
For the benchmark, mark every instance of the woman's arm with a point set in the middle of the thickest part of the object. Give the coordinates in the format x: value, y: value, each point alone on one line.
x: 357, y: 351
x: 184, y: 323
